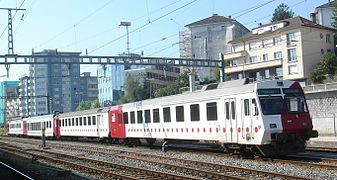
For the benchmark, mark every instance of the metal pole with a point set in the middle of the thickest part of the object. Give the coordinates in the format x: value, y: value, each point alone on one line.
x: 43, y: 137
x: 128, y: 40
x: 334, y: 124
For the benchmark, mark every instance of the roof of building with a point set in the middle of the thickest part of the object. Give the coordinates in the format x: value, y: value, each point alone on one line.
x: 326, y: 5
x: 215, y: 19
x: 291, y: 23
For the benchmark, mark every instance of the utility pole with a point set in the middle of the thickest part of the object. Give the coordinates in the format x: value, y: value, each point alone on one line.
x: 10, y: 34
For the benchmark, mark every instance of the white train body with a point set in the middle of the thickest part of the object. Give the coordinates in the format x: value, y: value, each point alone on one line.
x: 36, y: 124
x: 15, y: 128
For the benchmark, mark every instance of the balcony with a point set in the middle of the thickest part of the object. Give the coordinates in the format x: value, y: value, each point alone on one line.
x: 235, y: 55
x: 253, y: 66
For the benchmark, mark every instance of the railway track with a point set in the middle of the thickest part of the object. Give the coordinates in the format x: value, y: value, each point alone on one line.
x: 321, y: 149
x: 200, y: 169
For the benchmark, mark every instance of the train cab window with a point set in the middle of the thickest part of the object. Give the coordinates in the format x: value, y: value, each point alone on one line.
x: 246, y: 107
x: 84, y: 121
x: 212, y: 112
x: 233, y: 109
x: 89, y: 121
x: 255, y: 111
x: 180, y: 113
x: 147, y: 116
x: 195, y: 112
x: 93, y: 120
x: 80, y: 121
x: 133, y: 118
x: 126, y: 118
x: 156, y: 118
x: 227, y: 110
x: 76, y: 121
x: 167, y: 114
x: 139, y: 117
x: 73, y: 122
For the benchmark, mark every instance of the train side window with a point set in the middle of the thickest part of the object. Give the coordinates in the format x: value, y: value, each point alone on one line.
x: 180, y: 113
x: 227, y: 110
x: 195, y: 112
x: 126, y: 118
x: 212, y: 112
x: 62, y: 124
x: 147, y: 116
x: 89, y: 121
x: 156, y: 117
x: 246, y: 107
x: 93, y: 120
x: 84, y: 121
x: 254, y: 108
x: 167, y: 114
x: 120, y: 120
x: 80, y: 121
x: 69, y: 122
x: 132, y: 117
x: 139, y: 117
x: 233, y: 109
x: 76, y: 121
x: 73, y: 121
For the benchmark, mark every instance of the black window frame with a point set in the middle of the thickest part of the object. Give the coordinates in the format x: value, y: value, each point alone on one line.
x: 132, y: 117
x: 156, y: 116
x: 180, y: 114
x: 167, y: 114
x: 140, y: 117
x: 147, y: 116
x: 126, y: 117
x: 195, y: 116
x: 212, y: 111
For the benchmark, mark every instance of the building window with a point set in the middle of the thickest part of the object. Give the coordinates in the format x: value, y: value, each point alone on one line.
x: 292, y: 69
x: 253, y: 59
x: 265, y: 57
x: 278, y: 55
x: 264, y: 43
x: 290, y: 38
x: 328, y: 38
x: 292, y: 54
x: 279, y: 72
x: 277, y: 40
x: 267, y: 73
x: 252, y: 45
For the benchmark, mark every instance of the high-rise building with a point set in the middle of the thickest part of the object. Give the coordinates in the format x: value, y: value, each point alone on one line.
x: 208, y: 38
x: 54, y: 87
x: 89, y: 87
x: 8, y: 100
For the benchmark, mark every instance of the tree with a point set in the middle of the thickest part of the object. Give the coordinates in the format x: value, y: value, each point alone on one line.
x: 95, y: 104
x: 174, y: 88
x: 134, y: 91
x: 327, y: 66
x: 281, y: 12
x: 84, y: 105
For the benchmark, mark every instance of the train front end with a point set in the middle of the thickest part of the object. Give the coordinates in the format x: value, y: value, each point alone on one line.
x: 285, y: 117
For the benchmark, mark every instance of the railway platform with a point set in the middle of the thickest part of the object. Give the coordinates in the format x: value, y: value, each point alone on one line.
x: 323, y: 141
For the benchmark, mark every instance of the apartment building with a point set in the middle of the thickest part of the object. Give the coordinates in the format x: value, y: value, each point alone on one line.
x: 89, y: 87
x: 323, y: 14
x: 288, y: 49
x: 207, y: 38
x: 54, y: 87
x: 8, y: 100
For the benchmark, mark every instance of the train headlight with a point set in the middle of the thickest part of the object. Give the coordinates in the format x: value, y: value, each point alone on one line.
x: 305, y: 124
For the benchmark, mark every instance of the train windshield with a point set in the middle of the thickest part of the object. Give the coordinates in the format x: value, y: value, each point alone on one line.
x: 271, y: 105
x: 296, y: 104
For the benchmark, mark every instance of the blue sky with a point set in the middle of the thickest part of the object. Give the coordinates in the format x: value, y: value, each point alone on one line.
x: 93, y: 25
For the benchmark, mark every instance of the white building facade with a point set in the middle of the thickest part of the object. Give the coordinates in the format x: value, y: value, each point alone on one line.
x: 323, y: 14
x: 288, y: 49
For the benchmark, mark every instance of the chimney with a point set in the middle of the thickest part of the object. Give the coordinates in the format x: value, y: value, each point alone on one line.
x: 313, y: 17
x: 192, y: 81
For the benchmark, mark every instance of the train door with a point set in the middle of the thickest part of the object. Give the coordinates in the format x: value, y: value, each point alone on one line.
x: 230, y: 118
x: 25, y: 128
x: 57, y: 124
x: 117, y: 127
x: 255, y: 117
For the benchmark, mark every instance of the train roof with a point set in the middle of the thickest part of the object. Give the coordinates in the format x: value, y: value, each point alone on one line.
x: 86, y: 112
x: 211, y: 92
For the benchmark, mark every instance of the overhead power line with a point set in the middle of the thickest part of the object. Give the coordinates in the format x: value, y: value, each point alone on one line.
x: 141, y: 27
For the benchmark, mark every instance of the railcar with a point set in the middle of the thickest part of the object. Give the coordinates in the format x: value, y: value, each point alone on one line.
x: 15, y: 127
x: 36, y: 124
x: 268, y: 117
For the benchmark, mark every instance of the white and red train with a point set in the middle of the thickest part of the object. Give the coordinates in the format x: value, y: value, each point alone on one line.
x: 268, y: 117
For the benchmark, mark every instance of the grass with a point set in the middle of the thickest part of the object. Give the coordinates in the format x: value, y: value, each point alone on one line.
x: 2, y: 131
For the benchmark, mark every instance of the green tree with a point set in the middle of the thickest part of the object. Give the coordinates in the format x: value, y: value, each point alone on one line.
x: 84, y: 105
x: 174, y: 88
x: 327, y: 66
x: 95, y: 104
x: 134, y: 91
x: 281, y: 12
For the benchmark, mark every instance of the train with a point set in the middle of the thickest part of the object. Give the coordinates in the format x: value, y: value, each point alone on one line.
x: 265, y: 118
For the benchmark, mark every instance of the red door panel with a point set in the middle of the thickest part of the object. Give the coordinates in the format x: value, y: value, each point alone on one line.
x: 116, y: 121
x: 25, y: 128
